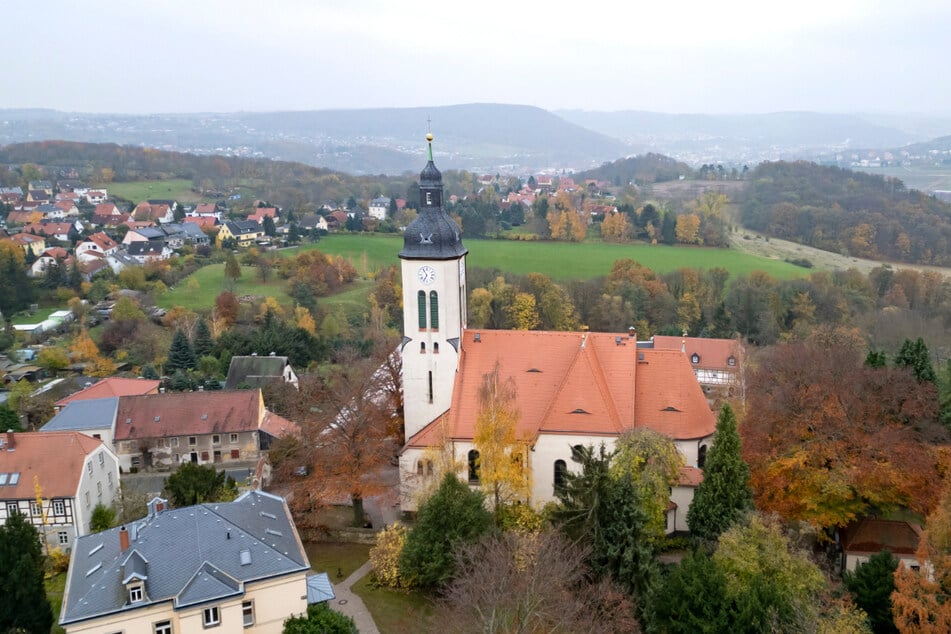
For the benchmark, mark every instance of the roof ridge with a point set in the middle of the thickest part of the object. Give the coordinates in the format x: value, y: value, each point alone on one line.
x: 561, y: 384
x: 598, y: 370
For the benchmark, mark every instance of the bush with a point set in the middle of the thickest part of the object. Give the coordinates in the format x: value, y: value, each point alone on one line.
x: 385, y: 556
x: 103, y: 517
x: 520, y: 518
x: 57, y: 562
x: 803, y: 262
x: 320, y: 619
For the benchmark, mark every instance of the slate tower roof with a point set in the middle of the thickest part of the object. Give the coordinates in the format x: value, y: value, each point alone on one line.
x: 433, y: 235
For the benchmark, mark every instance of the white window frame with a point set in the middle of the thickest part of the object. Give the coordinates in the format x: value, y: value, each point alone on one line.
x: 12, y: 508
x: 102, y: 459
x: 234, y: 439
x: 192, y: 441
x: 87, y: 499
x: 216, y: 439
x: 99, y: 489
x: 36, y: 509
x: 62, y: 537
x: 211, y: 616
x: 135, y: 593
x: 173, y: 441
x: 89, y: 467
x: 59, y: 507
x: 247, y: 613
x: 162, y: 627
x: 109, y: 478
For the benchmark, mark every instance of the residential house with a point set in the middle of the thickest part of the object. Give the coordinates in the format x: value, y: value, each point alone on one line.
x: 56, y: 479
x: 99, y: 244
x: 164, y: 430
x: 11, y: 195
x: 110, y: 221
x: 159, y: 212
x: 379, y: 207
x: 94, y: 417
x: 186, y: 233
x: 49, y: 257
x: 862, y: 539
x: 73, y: 186
x: 67, y: 207
x: 231, y: 566
x: 107, y: 209
x: 94, y: 197
x: 244, y: 232
x: 336, y: 220
x: 260, y: 213
x: 146, y: 252
x: 202, y: 222
x: 312, y: 221
x: 717, y: 363
x: 258, y: 371
x: 205, y: 210
x: 41, y: 186
x: 64, y: 231
x: 573, y: 389
x: 149, y: 233
x: 17, y: 218
x: 113, y: 386
x: 38, y: 196
x: 29, y: 243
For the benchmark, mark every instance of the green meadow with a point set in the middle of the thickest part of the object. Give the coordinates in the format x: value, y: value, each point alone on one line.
x: 179, y: 189
x: 198, y: 291
x: 560, y: 260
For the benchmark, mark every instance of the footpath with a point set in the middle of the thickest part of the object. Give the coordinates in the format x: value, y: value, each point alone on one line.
x: 350, y: 604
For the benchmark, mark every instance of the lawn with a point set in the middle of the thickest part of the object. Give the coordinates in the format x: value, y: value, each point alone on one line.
x: 179, y: 189
x: 54, y: 592
x: 330, y: 556
x: 560, y: 260
x: 198, y: 291
x: 395, y: 611
x: 35, y: 318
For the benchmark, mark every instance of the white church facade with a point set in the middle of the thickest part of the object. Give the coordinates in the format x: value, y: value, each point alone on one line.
x: 572, y: 388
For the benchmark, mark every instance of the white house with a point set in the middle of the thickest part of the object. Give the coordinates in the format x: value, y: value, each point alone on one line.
x: 378, y: 208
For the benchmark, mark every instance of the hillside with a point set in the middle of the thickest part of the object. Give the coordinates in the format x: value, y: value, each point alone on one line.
x: 649, y: 168
x: 847, y: 212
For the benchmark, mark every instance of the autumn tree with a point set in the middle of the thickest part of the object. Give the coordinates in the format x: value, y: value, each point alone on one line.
x: 346, y: 444
x: 530, y: 582
x: 724, y: 496
x: 522, y: 312
x: 688, y: 228
x: 502, y: 455
x: 16, y: 289
x: 615, y: 227
x: 653, y: 464
x: 829, y: 440
x: 226, y: 309
x: 921, y: 602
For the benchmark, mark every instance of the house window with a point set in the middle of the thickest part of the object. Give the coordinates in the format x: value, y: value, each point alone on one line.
x: 702, y: 456
x: 433, y: 310
x: 429, y: 467
x: 173, y: 442
x: 192, y: 441
x: 211, y: 617
x: 102, y: 459
x: 422, y: 347
x: 473, y: 467
x: 59, y: 507
x: 419, y: 468
x: 13, y: 509
x: 731, y: 360
x: 135, y: 594
x: 35, y: 509
x: 89, y: 467
x: 109, y: 477
x: 216, y: 439
x: 87, y: 499
x: 99, y: 489
x: 430, y: 386
x: 234, y: 439
x: 62, y: 537
x: 235, y: 454
x: 162, y: 627
x: 561, y: 469
x: 435, y: 348
x: 695, y: 358
x: 421, y: 300
x: 247, y: 613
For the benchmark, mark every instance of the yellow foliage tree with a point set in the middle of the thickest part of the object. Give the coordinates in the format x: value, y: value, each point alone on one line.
x: 688, y: 228
x: 615, y: 228
x: 558, y: 224
x: 83, y: 349
x: 523, y: 312
x: 270, y: 304
x: 502, y: 455
x: 479, y: 308
x: 305, y: 320
x: 385, y: 555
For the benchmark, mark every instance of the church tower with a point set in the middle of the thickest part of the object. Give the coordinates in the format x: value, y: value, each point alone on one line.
x: 434, y: 303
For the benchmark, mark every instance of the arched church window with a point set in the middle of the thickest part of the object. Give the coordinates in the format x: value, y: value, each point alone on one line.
x: 421, y: 300
x: 433, y: 310
x: 422, y: 346
x: 702, y: 456
x: 561, y: 470
x: 435, y: 348
x: 429, y: 467
x: 473, y: 467
x: 419, y: 468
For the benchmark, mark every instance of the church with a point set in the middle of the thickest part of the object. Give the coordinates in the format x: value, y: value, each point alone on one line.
x: 572, y: 388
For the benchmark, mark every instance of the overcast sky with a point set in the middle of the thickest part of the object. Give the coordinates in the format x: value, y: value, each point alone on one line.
x: 148, y: 56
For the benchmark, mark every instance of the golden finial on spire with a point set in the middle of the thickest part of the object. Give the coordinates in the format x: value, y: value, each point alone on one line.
x: 429, y: 139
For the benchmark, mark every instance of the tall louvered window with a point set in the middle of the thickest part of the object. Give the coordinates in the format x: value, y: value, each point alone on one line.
x: 433, y: 310
x: 421, y: 300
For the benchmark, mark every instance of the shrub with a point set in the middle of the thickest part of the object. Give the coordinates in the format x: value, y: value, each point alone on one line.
x: 320, y: 619
x: 57, y: 562
x: 385, y: 556
x: 520, y: 518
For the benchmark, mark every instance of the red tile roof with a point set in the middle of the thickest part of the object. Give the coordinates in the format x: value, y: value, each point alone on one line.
x: 578, y: 383
x: 205, y: 208
x: 56, y: 457
x: 188, y: 413
x: 113, y: 386
x: 106, y: 209
x: 714, y: 353
x: 202, y: 221
x: 103, y: 241
x: 278, y: 426
x: 690, y: 477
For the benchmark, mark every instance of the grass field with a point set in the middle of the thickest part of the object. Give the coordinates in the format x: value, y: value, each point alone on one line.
x: 395, y: 611
x: 925, y: 178
x: 179, y: 189
x: 55, y: 587
x: 330, y: 557
x: 198, y: 291
x: 560, y: 260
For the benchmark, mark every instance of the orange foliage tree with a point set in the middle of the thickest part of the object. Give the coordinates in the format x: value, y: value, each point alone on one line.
x: 921, y: 601
x: 829, y: 440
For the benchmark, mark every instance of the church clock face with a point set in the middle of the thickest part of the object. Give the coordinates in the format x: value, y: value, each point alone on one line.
x: 426, y: 275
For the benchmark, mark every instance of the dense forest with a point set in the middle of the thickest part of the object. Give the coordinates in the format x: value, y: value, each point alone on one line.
x: 648, y: 168
x: 847, y: 212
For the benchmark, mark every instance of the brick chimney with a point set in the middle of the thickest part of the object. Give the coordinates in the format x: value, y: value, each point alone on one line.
x: 11, y: 441
x: 123, y: 539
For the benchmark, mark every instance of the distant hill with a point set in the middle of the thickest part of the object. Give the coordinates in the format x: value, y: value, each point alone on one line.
x: 847, y: 212
x: 481, y: 137
x: 649, y: 168
x: 758, y: 136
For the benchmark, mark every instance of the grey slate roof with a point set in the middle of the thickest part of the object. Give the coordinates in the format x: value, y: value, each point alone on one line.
x: 254, y: 370
x: 95, y: 413
x: 433, y: 234
x: 187, y: 556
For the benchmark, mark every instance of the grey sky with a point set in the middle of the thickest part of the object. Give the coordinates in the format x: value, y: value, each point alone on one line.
x: 139, y: 56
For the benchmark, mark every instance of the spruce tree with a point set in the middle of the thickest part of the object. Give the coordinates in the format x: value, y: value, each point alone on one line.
x: 724, y: 495
x: 915, y: 355
x: 202, y: 344
x: 180, y: 354
x: 871, y: 586
x: 23, y: 603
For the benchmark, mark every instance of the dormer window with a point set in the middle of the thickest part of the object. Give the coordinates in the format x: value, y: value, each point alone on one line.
x: 135, y: 593
x: 695, y: 358
x: 731, y: 360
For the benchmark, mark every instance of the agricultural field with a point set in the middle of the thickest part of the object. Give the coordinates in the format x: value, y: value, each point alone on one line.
x: 179, y: 189
x: 560, y: 260
x: 198, y: 291
x: 926, y: 178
